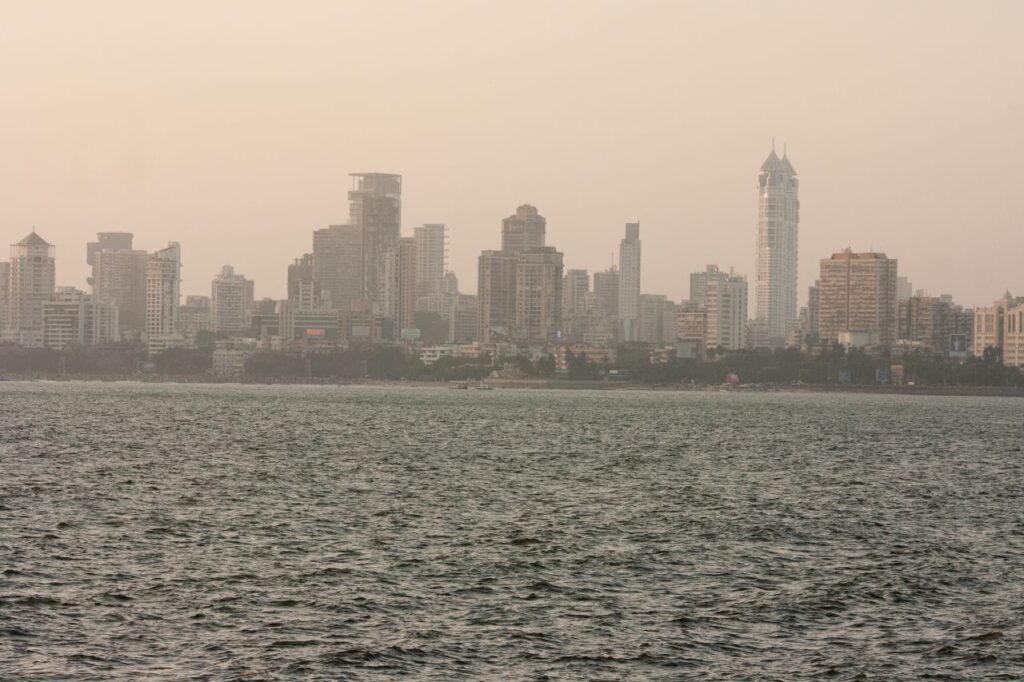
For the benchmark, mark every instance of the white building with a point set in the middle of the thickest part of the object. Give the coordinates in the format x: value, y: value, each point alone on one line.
x: 778, y: 217
x: 726, y: 311
x: 163, y: 296
x: 229, y: 362
x: 629, y: 283
x: 431, y: 255
x: 73, y: 318
x: 231, y: 298
x: 31, y: 278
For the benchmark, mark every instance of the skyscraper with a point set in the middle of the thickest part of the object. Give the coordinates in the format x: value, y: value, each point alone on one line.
x: 163, y: 296
x: 338, y: 265
x: 778, y: 217
x: 726, y: 311
x: 629, y: 282
x: 5, y: 292
x: 523, y: 230
x: 73, y: 317
x: 496, y: 295
x: 231, y: 299
x: 303, y: 287
x: 539, y: 294
x: 119, y: 277
x: 857, y: 298
x: 33, y: 272
x: 575, y: 288
x: 399, y: 297
x: 375, y: 209
x: 431, y: 252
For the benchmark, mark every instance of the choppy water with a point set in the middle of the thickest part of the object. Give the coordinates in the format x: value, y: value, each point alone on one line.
x: 186, y: 532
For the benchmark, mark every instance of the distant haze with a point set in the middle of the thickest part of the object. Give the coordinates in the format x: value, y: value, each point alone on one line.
x: 232, y: 128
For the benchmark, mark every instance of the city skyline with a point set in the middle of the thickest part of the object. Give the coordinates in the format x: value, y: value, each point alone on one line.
x: 190, y: 146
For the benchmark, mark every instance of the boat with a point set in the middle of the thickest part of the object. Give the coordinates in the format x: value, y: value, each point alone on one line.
x: 483, y: 387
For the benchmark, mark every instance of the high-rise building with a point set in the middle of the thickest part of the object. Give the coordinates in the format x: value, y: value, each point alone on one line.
x: 119, y: 277
x: 375, y: 209
x: 606, y: 293
x: 399, y: 297
x: 629, y: 283
x: 858, y: 299
x: 523, y: 230
x: 656, y: 321
x: 231, y: 301
x: 303, y: 287
x: 31, y: 280
x: 778, y: 218
x: 726, y: 311
x: 691, y: 324
x: 431, y: 258
x: 163, y: 297
x: 519, y: 292
x: 74, y: 318
x: 195, y: 317
x: 904, y: 289
x: 575, y: 288
x: 338, y: 265
x: 464, y: 321
x: 496, y: 295
x: 699, y: 283
x: 814, y: 311
x: 931, y: 321
x: 5, y: 292
x: 539, y: 294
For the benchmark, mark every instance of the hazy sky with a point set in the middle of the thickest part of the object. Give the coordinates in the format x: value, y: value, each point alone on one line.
x: 232, y: 128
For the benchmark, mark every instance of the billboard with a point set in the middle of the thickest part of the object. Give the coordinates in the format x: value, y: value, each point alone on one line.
x: 958, y: 345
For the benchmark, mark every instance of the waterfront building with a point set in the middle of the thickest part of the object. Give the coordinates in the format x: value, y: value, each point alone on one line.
x: 231, y: 301
x: 400, y: 285
x: 375, y: 210
x: 464, y: 319
x: 163, y: 298
x: 575, y: 287
x: 726, y: 311
x: 629, y: 283
x: 519, y: 292
x: 778, y: 219
x: 304, y: 288
x: 656, y: 321
x: 1013, y: 340
x: 691, y: 323
x: 74, y: 318
x: 195, y: 317
x: 813, y: 328
x: 990, y: 325
x: 523, y: 230
x: 858, y: 298
x: 338, y: 265
x: 5, y: 292
x: 539, y: 294
x: 32, y: 273
x: 930, y: 322
x: 431, y: 258
x: 119, y: 277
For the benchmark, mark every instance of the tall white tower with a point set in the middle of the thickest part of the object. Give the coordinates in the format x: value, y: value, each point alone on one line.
x: 778, y: 215
x: 163, y: 296
x: 629, y: 283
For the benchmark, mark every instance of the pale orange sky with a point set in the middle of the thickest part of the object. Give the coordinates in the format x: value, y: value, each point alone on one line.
x: 232, y: 127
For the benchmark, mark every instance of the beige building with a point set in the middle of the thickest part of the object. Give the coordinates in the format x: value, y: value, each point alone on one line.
x: 857, y: 298
x: 231, y: 300
x: 163, y: 298
x: 1013, y: 342
x: 538, y: 294
x: 726, y: 312
x: 31, y: 280
x: 119, y: 277
x: 400, y: 286
x: 431, y: 257
x: 657, y: 319
x: 73, y: 318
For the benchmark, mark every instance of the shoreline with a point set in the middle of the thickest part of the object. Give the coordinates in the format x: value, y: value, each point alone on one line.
x: 542, y: 384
